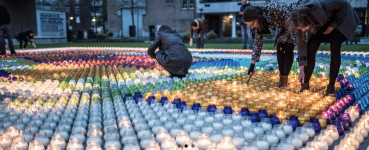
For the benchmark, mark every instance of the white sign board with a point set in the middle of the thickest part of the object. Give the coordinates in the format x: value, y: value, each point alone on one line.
x: 51, y: 24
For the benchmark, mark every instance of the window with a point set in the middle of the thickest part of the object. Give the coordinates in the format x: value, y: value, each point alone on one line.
x: 77, y: 10
x: 76, y: 2
x: 169, y: 2
x: 192, y: 3
x: 66, y: 2
x: 67, y: 9
x: 188, y: 4
x: 78, y: 20
x: 184, y: 4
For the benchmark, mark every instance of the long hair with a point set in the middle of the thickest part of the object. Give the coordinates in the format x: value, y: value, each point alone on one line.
x: 253, y: 13
x: 166, y: 28
x: 301, y: 18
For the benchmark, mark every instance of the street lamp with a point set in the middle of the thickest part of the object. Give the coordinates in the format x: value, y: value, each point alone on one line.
x: 201, y: 9
x: 71, y: 18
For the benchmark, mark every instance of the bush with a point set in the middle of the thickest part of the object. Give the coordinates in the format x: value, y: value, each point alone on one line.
x: 211, y: 35
x: 80, y: 34
x: 110, y: 34
x: 239, y: 34
x: 186, y: 37
x: 101, y: 36
x: 357, y: 34
x: 90, y: 34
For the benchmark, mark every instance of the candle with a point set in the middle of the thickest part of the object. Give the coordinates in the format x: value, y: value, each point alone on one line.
x: 203, y: 141
x: 226, y: 144
x: 167, y: 143
x: 249, y: 134
x: 182, y: 137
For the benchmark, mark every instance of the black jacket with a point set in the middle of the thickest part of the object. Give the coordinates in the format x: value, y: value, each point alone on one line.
x: 243, y: 8
x: 4, y: 15
x: 24, y: 36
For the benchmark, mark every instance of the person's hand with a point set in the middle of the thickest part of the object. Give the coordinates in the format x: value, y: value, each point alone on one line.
x: 251, y: 69
x: 6, y: 46
x: 328, y: 31
x: 241, y: 13
x: 302, y: 75
x: 34, y: 45
x: 191, y: 42
x: 199, y: 36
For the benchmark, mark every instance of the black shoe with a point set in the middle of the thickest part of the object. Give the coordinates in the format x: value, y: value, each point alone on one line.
x: 330, y: 90
x: 305, y: 87
x: 280, y: 79
x: 13, y: 53
x: 283, y: 81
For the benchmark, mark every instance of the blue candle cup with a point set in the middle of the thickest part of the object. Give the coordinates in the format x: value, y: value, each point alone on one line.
x: 346, y: 117
x: 255, y: 117
x: 344, y: 123
x: 228, y: 110
x: 212, y: 108
x: 196, y: 106
x: 263, y: 113
x: 177, y: 101
x: 245, y: 111
x: 150, y: 99
x: 316, y: 125
x: 183, y: 105
x: 274, y: 119
x: 295, y: 122
x: 163, y: 100
x: 339, y: 126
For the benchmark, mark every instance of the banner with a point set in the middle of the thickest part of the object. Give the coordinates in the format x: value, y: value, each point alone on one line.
x: 51, y: 24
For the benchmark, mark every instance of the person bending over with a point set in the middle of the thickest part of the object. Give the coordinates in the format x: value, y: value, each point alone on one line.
x: 25, y: 37
x: 173, y: 55
x: 200, y: 26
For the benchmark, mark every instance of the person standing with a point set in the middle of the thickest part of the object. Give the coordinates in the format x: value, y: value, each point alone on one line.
x: 273, y: 15
x: 173, y: 55
x: 325, y: 21
x: 5, y: 30
x: 26, y: 37
x: 200, y: 25
x: 245, y: 29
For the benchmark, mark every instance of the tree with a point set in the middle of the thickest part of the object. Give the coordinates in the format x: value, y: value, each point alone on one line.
x: 135, y: 6
x: 94, y: 6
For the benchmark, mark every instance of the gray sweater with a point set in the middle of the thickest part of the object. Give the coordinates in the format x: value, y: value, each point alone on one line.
x: 339, y: 14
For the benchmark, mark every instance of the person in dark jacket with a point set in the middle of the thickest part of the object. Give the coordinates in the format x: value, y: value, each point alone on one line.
x: 273, y: 15
x: 26, y: 37
x: 325, y: 21
x: 5, y: 30
x: 173, y: 55
x: 200, y: 25
x: 245, y: 29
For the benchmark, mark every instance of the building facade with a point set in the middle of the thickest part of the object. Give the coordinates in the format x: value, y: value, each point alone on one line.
x: 80, y: 15
x: 114, y: 20
x: 176, y: 13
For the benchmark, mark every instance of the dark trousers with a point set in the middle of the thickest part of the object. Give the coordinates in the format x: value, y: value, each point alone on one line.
x: 200, y: 41
x: 176, y: 75
x: 285, y: 57
x: 21, y: 42
x: 335, y: 38
x: 5, y: 29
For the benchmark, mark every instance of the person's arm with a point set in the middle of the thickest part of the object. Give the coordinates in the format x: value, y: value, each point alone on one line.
x: 258, y: 46
x: 191, y: 33
x: 152, y: 48
x: 301, y: 48
x: 339, y: 9
x: 28, y: 39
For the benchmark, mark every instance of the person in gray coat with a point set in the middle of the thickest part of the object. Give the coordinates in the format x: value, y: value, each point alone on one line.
x: 173, y: 55
x: 325, y: 21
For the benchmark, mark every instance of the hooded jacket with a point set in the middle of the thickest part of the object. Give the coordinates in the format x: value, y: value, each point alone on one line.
x: 173, y: 55
x: 338, y: 14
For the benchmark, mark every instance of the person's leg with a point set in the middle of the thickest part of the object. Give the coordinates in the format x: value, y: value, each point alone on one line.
x: 202, y: 39
x: 288, y: 58
x: 198, y: 41
x: 249, y: 35
x: 25, y: 44
x: 244, y: 38
x: 2, y: 43
x: 312, y: 48
x: 280, y: 58
x: 335, y: 62
x: 10, y: 40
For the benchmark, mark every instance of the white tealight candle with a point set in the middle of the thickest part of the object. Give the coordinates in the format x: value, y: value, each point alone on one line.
x: 199, y: 123
x: 209, y: 119
x: 266, y: 126
x: 227, y: 132
x: 203, y: 143
x: 288, y: 147
x: 252, y: 148
x: 174, y: 132
x: 219, y: 116
x: 262, y: 145
x: 297, y: 143
x: 259, y: 131
x: 249, y: 135
x: 310, y: 132
x: 288, y: 129
x: 246, y: 123
x: 272, y: 139
x: 182, y: 140
x: 217, y: 125
x: 280, y: 133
